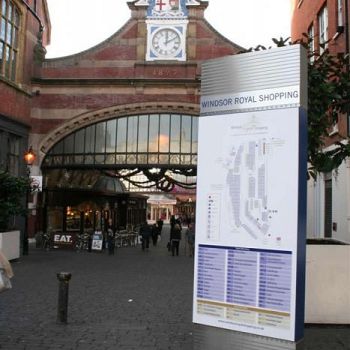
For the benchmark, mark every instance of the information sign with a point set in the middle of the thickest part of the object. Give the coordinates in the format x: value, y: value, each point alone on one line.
x: 97, y: 241
x: 250, y: 218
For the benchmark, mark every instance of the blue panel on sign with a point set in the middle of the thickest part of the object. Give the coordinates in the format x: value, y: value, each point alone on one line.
x: 300, y: 282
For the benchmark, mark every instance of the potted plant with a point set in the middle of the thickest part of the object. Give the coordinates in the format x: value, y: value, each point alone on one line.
x: 13, y: 190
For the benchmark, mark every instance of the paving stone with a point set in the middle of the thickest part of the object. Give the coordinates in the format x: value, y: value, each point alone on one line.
x: 133, y: 300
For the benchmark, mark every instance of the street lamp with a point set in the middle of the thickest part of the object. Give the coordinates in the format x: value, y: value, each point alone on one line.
x: 29, y: 158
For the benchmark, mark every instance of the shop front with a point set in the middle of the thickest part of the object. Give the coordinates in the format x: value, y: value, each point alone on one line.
x: 79, y: 203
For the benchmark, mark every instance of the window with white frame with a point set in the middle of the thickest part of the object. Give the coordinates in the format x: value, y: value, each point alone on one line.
x: 323, y: 29
x: 9, y: 29
x: 340, y: 12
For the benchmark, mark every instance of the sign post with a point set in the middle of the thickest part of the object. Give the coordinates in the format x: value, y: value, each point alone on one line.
x: 251, y: 194
x: 97, y: 241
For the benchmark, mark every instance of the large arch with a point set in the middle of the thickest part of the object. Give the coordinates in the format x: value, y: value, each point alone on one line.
x: 89, y: 118
x: 129, y: 142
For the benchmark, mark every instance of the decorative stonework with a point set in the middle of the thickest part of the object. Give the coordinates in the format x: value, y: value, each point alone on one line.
x: 167, y: 9
x: 147, y: 2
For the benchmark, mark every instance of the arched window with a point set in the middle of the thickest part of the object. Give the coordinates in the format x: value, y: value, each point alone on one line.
x: 150, y: 140
x: 9, y: 29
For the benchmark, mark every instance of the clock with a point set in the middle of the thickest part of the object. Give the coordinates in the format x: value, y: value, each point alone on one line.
x: 166, y: 42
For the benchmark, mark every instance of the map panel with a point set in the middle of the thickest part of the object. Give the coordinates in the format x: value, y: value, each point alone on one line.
x: 247, y: 215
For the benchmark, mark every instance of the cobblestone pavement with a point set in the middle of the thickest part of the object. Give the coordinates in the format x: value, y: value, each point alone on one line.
x: 133, y: 300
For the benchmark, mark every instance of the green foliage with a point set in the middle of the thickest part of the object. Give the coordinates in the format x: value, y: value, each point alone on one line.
x: 328, y: 101
x: 12, y: 195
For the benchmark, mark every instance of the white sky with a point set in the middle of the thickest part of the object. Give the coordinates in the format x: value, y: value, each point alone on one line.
x: 80, y: 24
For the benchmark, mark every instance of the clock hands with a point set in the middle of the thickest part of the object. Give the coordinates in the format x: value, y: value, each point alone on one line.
x: 167, y: 41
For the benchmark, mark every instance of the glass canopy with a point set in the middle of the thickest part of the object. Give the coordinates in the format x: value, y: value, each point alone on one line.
x: 149, y: 151
x: 150, y: 140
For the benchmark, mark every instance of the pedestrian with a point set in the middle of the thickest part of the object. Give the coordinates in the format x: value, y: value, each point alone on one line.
x: 190, y: 237
x: 110, y: 237
x: 160, y: 223
x: 145, y: 233
x: 175, y: 238
x: 6, y: 273
x: 155, y: 234
x: 172, y: 222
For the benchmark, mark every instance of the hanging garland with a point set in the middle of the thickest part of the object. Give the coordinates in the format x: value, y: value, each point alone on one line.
x: 162, y: 179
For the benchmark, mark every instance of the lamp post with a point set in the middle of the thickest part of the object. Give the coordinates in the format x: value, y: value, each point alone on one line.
x: 29, y: 158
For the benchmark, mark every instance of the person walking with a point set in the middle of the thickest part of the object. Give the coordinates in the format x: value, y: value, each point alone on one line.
x: 190, y: 237
x: 160, y: 223
x: 110, y: 237
x: 175, y: 238
x: 172, y: 221
x: 145, y: 233
x: 155, y: 234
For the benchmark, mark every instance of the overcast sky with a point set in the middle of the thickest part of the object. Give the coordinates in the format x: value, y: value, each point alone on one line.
x: 80, y: 24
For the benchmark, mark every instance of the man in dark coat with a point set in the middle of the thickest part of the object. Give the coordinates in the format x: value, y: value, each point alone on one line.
x: 175, y: 238
x: 145, y: 233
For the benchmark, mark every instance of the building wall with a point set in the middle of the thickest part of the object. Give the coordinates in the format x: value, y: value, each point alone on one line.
x: 305, y: 14
x: 113, y: 78
x: 16, y: 95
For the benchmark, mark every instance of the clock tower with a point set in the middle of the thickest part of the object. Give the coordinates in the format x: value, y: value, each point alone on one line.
x: 167, y: 22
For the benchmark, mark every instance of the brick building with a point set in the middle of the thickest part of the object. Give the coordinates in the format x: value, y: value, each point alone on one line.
x: 24, y: 31
x: 131, y: 102
x: 22, y: 37
x: 327, y: 22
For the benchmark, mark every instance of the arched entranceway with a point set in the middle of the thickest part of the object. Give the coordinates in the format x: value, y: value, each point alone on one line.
x: 144, y: 153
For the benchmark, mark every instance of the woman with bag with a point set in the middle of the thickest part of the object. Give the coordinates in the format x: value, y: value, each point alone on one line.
x: 5, y: 273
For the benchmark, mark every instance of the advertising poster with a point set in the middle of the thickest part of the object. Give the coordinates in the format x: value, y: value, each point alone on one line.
x: 97, y: 241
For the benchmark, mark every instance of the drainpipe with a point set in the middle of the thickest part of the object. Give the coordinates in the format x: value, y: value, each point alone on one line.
x: 347, y: 34
x: 347, y: 45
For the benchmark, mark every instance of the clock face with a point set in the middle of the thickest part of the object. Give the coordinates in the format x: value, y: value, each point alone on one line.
x: 166, y: 42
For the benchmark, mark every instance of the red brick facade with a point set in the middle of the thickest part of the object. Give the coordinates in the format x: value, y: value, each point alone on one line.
x: 15, y: 95
x: 305, y: 15
x: 114, y: 79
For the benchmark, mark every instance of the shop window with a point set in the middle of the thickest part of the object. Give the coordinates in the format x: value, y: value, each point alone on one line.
x: 55, y: 219
x: 9, y: 29
x: 73, y: 219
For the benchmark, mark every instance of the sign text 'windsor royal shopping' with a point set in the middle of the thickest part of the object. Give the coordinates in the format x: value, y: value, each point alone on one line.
x: 251, y: 194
